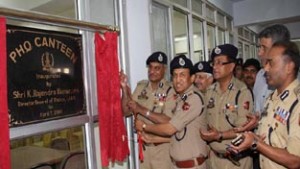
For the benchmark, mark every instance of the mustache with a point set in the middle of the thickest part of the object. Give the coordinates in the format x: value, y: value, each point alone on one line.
x: 249, y: 77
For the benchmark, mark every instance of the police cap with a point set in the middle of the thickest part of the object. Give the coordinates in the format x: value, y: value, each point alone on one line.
x: 203, y: 66
x: 227, y: 49
x: 181, y: 61
x: 159, y: 57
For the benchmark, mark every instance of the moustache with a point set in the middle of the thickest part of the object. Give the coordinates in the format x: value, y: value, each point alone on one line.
x: 249, y: 77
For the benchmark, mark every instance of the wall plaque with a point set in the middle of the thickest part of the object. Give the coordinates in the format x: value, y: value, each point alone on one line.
x: 44, y: 75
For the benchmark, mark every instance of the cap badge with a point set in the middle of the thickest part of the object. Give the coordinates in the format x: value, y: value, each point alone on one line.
x: 160, y: 58
x: 181, y: 62
x: 218, y: 50
x: 200, y: 66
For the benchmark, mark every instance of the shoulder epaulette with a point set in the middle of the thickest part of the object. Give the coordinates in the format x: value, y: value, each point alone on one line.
x: 143, y: 82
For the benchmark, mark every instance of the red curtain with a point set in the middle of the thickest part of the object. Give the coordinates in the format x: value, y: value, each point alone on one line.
x: 113, y: 137
x: 4, y: 129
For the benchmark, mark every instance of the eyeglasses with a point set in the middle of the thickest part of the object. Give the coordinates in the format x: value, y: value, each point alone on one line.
x: 219, y: 63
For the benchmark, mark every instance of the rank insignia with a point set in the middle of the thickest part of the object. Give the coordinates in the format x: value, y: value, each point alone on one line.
x: 230, y: 107
x: 143, y: 95
x: 161, y: 98
x: 161, y: 85
x: 246, y: 105
x: 185, y: 106
x: 211, y: 103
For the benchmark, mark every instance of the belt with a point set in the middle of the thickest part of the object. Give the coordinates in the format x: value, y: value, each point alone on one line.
x: 190, y: 163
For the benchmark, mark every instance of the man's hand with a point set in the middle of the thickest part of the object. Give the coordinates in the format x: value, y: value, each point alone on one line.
x: 133, y: 107
x: 123, y: 79
x: 210, y: 135
x: 138, y: 124
x: 249, y: 138
x: 252, y: 122
x: 147, y: 138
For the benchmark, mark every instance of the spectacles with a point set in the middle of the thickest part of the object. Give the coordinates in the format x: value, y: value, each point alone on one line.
x: 219, y: 63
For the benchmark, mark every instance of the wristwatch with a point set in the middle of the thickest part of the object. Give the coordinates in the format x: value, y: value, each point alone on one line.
x: 254, y: 145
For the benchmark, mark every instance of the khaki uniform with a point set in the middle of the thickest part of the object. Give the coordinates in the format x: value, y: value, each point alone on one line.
x: 226, y: 111
x: 155, y: 156
x: 280, y: 123
x: 189, y: 117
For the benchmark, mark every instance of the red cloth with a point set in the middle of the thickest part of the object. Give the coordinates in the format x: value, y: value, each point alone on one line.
x: 113, y: 137
x: 4, y: 132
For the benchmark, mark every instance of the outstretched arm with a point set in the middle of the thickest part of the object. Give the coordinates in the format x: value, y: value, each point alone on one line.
x: 152, y: 116
x: 126, y: 93
x: 278, y: 155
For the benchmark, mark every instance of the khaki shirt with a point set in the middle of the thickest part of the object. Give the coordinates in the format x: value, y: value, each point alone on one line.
x: 280, y: 123
x: 227, y: 110
x: 189, y: 117
x: 153, y: 100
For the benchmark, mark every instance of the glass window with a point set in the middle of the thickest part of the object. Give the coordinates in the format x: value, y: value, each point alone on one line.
x: 51, y: 148
x: 65, y: 8
x: 247, y: 52
x: 221, y: 36
x: 231, y: 39
x: 220, y: 19
x: 198, y: 41
x: 180, y: 32
x: 211, y: 38
x: 240, y: 48
x: 240, y: 31
x: 210, y: 13
x: 229, y: 24
x: 197, y: 6
x: 247, y: 34
x: 181, y: 2
x: 160, y: 31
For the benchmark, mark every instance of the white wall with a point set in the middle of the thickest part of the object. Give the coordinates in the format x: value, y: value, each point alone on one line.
x: 258, y: 11
x: 225, y: 5
x: 139, y: 40
x: 294, y: 29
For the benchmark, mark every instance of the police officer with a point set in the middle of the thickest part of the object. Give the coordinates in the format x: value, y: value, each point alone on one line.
x: 203, y: 76
x: 187, y: 149
x: 150, y: 94
x: 280, y: 121
x: 228, y: 102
